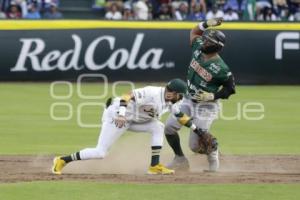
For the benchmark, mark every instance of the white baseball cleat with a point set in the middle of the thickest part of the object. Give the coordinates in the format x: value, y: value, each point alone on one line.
x: 179, y: 163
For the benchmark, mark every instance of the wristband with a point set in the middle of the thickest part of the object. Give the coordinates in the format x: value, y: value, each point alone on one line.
x: 193, y: 127
x: 122, y: 111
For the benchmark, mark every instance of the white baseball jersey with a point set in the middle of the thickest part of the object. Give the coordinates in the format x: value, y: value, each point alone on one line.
x: 149, y: 103
x: 142, y: 116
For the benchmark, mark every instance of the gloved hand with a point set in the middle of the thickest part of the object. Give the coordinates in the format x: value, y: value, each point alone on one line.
x: 207, y: 142
x: 213, y: 22
x: 204, y: 96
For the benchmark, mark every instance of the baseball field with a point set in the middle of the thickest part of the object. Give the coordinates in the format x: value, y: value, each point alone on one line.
x: 258, y: 131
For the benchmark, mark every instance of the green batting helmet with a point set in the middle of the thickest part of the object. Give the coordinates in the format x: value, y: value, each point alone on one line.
x: 177, y: 85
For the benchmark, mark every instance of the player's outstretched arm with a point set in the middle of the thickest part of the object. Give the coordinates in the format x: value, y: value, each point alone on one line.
x: 200, y: 28
x: 120, y: 120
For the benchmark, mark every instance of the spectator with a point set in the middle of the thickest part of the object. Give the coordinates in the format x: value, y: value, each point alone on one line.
x: 165, y: 12
x: 150, y: 10
x: 141, y: 10
x: 22, y: 6
x: 113, y: 13
x: 267, y: 14
x: 279, y: 6
x: 14, y: 11
x: 4, y: 5
x: 2, y: 14
x: 33, y: 13
x: 156, y: 4
x: 182, y: 12
x: 297, y: 15
x: 200, y: 3
x: 231, y: 15
x: 118, y: 2
x: 233, y: 4
x: 197, y: 13
x: 210, y: 4
x: 295, y: 5
x: 262, y: 4
x: 261, y: 8
x: 155, y: 7
x: 53, y: 13
x: 176, y: 4
x: 214, y: 13
x: 249, y: 10
x: 286, y: 15
x: 49, y: 3
x: 220, y: 3
x: 39, y: 5
x: 128, y: 13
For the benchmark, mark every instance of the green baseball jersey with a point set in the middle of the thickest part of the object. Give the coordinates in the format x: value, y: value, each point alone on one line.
x: 205, y: 75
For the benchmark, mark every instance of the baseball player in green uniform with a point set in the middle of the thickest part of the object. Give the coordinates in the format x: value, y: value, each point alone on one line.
x: 209, y: 79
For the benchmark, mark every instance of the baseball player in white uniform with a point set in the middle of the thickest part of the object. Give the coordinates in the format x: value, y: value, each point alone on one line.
x: 138, y: 111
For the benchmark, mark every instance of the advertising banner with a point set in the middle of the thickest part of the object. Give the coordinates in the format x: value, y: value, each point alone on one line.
x: 143, y: 54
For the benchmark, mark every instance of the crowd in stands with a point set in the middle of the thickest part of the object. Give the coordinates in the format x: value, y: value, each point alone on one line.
x: 180, y: 10
x: 195, y: 10
x: 30, y: 9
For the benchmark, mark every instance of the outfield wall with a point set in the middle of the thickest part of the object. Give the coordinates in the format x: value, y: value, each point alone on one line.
x: 257, y: 53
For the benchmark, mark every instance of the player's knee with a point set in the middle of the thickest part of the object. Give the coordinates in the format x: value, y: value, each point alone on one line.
x: 172, y: 126
x: 100, y: 153
x: 157, y: 131
x: 170, y: 129
x: 157, y: 128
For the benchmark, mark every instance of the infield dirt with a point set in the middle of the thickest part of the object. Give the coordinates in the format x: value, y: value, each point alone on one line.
x: 234, y: 169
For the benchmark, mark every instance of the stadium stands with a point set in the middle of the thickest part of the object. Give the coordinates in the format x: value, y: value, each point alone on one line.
x: 231, y: 10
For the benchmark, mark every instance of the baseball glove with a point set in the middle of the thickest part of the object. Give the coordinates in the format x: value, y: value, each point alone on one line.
x: 207, y: 142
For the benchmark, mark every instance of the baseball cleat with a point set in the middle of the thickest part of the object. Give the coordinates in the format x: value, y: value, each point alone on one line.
x: 179, y: 163
x: 160, y: 169
x: 58, y: 165
x: 213, y: 160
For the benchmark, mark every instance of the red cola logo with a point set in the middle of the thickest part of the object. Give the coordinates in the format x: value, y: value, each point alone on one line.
x: 33, y: 48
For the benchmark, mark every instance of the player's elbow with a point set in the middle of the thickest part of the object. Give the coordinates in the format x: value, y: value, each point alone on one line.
x: 194, y: 33
x: 229, y: 92
x: 225, y: 93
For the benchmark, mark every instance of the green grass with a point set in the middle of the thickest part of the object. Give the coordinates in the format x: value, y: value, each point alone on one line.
x: 76, y: 190
x: 26, y: 126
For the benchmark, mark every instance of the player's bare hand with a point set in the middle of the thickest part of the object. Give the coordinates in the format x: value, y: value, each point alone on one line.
x: 120, y: 121
x: 214, y: 22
